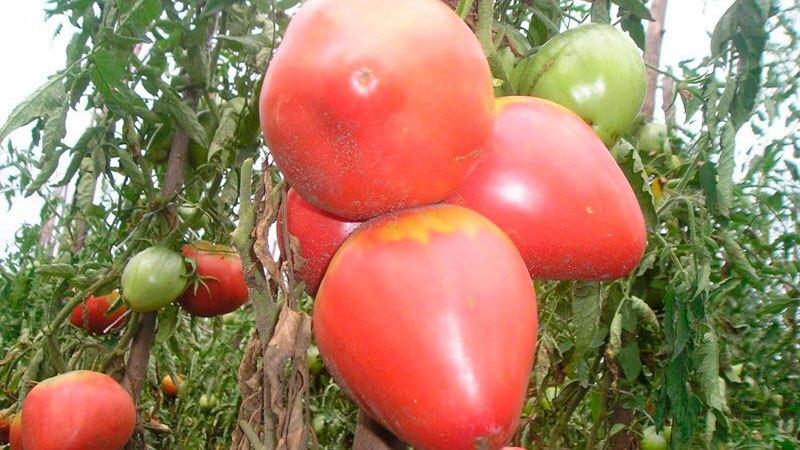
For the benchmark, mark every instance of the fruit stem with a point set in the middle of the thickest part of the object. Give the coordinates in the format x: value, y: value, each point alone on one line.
x: 483, y: 29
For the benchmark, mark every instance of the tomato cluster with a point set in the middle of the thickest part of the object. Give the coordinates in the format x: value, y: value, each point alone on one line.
x: 420, y: 208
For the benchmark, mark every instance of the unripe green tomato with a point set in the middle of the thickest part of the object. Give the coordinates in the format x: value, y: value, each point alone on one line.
x: 208, y: 402
x: 153, y: 278
x: 186, y: 211
x: 594, y: 70
x: 318, y: 423
x: 653, y: 136
x: 667, y: 432
x: 652, y: 440
x: 314, y: 360
x: 776, y: 399
x: 159, y: 145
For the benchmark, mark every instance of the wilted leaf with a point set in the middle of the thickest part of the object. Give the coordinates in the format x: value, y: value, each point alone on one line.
x: 48, y: 98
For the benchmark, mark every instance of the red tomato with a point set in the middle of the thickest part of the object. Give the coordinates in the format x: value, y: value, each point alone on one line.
x: 171, y: 388
x: 375, y: 105
x: 77, y: 411
x: 92, y: 316
x: 427, y: 317
x: 223, y: 288
x: 319, y: 235
x: 5, y: 425
x: 552, y: 186
x: 15, y: 433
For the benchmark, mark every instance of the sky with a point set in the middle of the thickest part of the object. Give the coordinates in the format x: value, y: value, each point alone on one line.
x: 32, y: 53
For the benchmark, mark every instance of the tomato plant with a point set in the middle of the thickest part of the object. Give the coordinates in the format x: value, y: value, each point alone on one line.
x: 436, y: 319
x: 376, y: 125
x: 153, y: 278
x: 220, y: 288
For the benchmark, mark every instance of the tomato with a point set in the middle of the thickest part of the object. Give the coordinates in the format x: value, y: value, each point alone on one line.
x: 153, y: 278
x: 594, y: 70
x: 15, y: 433
x: 552, y: 186
x: 375, y: 105
x: 159, y: 144
x: 412, y: 316
x: 221, y: 288
x: 319, y: 235
x: 653, y: 136
x: 5, y: 425
x: 171, y: 388
x: 93, y: 314
x: 208, y: 402
x: 78, y: 411
x: 653, y: 440
x: 315, y: 364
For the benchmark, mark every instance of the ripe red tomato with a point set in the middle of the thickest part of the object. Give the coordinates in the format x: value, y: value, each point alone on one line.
x: 171, y: 388
x: 77, y: 411
x: 319, y: 234
x: 375, y: 105
x: 5, y: 425
x: 223, y: 288
x: 550, y: 183
x: 15, y: 433
x: 427, y: 317
x: 91, y: 314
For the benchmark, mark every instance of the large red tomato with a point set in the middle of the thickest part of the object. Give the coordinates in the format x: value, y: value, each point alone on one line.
x: 318, y: 233
x: 92, y: 316
x: 552, y: 186
x: 77, y: 411
x: 15, y: 433
x: 375, y: 105
x: 427, y: 317
x: 5, y: 426
x: 223, y: 288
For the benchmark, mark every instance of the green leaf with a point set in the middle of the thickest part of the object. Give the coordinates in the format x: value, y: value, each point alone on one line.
x: 614, y: 336
x: 636, y: 7
x: 184, y: 116
x: 631, y: 164
x: 49, y: 164
x: 586, y: 302
x: 226, y: 136
x: 737, y: 258
x: 725, y: 170
x: 707, y: 355
x: 633, y: 25
x: 167, y: 322
x: 55, y: 128
x: 629, y: 361
x: 139, y: 13
x: 645, y: 314
x: 129, y: 167
x: 108, y: 74
x: 47, y: 98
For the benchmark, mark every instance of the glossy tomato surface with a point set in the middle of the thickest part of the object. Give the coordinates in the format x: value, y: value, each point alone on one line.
x: 427, y: 317
x: 93, y: 314
x: 552, y: 186
x: 375, y: 105
x: 318, y: 233
x: 169, y: 387
x: 153, y: 278
x: 594, y: 70
x: 223, y: 288
x: 77, y: 411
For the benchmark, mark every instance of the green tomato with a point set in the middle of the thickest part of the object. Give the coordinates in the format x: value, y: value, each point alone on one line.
x: 318, y: 423
x: 653, y: 440
x: 208, y: 402
x: 159, y: 145
x: 776, y: 400
x: 667, y: 432
x: 153, y: 278
x: 594, y: 70
x: 653, y: 136
x: 186, y: 211
x: 314, y: 360
x: 546, y: 401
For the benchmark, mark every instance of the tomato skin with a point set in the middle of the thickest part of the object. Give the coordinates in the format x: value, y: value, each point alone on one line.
x: 319, y: 234
x: 91, y: 314
x: 5, y: 426
x: 224, y: 289
x: 361, y: 127
x: 552, y: 186
x: 594, y: 70
x: 153, y: 278
x: 409, y: 320
x: 77, y: 411
x: 15, y: 433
